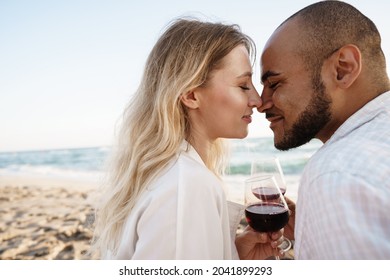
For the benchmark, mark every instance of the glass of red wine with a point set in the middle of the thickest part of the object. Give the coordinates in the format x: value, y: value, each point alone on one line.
x: 270, y: 166
x: 266, y: 208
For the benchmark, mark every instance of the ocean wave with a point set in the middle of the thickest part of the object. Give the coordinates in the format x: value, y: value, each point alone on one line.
x: 90, y: 161
x: 83, y: 159
x: 51, y: 172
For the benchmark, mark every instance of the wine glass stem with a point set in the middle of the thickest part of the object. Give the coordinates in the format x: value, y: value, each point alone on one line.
x: 276, y: 255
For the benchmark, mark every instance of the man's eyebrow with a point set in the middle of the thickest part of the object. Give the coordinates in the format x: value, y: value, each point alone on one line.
x: 268, y: 74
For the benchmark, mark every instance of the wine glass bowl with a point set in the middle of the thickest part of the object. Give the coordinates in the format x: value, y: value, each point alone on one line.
x: 266, y: 209
x: 269, y: 166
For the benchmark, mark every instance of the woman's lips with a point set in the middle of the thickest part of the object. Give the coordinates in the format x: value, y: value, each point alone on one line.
x: 247, y: 118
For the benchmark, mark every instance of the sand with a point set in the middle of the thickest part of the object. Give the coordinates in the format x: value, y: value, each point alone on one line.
x: 49, y: 219
x: 45, y: 219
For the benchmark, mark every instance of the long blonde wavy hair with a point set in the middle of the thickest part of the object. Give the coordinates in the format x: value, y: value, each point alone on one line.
x: 155, y: 122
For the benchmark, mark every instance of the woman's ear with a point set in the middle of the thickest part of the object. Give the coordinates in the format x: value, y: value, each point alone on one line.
x: 348, y: 65
x: 190, y: 100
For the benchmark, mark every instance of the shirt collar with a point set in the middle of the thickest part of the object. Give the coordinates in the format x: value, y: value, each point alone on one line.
x: 368, y: 112
x: 189, y: 150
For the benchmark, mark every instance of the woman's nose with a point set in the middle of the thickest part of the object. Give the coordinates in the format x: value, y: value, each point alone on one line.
x: 254, y: 99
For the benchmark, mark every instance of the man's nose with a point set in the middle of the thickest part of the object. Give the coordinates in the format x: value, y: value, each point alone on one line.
x: 266, y: 100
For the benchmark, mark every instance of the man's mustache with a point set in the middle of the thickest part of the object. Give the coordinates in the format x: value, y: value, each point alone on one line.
x: 269, y: 115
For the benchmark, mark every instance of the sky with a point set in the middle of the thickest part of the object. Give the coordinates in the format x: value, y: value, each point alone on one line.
x: 68, y: 68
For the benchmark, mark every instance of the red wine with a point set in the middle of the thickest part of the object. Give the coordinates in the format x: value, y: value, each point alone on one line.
x: 266, y: 217
x: 266, y: 194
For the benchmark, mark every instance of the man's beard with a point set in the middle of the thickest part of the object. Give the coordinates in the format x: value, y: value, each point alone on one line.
x: 315, y: 116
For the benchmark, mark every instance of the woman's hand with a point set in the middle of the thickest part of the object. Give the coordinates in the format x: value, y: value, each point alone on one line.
x: 253, y: 245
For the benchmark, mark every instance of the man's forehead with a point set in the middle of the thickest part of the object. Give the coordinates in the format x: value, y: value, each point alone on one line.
x: 283, y: 43
x: 287, y: 34
x: 280, y: 55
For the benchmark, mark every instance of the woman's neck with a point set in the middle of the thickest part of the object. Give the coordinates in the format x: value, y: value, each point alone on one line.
x: 202, y: 146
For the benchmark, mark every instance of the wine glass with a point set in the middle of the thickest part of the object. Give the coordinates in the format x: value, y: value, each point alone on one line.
x: 269, y: 166
x: 266, y: 208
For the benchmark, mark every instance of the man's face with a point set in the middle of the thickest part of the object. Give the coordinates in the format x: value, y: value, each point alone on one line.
x: 294, y: 99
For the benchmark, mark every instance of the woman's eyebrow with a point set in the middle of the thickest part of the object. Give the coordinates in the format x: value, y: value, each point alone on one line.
x: 246, y: 74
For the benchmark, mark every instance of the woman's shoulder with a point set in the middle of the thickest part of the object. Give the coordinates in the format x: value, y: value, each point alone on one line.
x: 191, y: 166
x: 187, y: 173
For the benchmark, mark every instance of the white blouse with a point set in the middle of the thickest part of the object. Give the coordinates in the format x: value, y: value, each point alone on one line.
x: 183, y: 214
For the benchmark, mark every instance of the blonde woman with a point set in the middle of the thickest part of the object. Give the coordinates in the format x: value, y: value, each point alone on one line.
x: 165, y: 199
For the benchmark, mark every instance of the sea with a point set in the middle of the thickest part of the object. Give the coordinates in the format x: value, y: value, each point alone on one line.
x: 87, y: 164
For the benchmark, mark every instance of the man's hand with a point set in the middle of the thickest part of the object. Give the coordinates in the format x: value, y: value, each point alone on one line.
x: 290, y: 227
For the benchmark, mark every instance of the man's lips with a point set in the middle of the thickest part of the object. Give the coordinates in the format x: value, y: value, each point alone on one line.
x: 273, y: 118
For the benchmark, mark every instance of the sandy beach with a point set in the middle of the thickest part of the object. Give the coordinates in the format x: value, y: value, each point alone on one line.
x: 49, y: 218
x: 45, y: 219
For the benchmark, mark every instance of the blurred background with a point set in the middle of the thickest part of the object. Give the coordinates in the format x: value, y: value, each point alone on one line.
x: 68, y: 68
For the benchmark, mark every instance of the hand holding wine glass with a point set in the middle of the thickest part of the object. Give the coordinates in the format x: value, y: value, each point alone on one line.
x: 271, y: 166
x: 266, y: 208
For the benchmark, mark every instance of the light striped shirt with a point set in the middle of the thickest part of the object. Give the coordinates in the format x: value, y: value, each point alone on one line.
x: 343, y: 208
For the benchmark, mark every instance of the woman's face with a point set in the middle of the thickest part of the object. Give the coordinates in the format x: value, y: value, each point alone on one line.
x: 226, y: 101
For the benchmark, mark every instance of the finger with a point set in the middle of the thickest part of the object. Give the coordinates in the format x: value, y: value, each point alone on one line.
x: 262, y: 237
x: 277, y: 234
x: 256, y: 236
